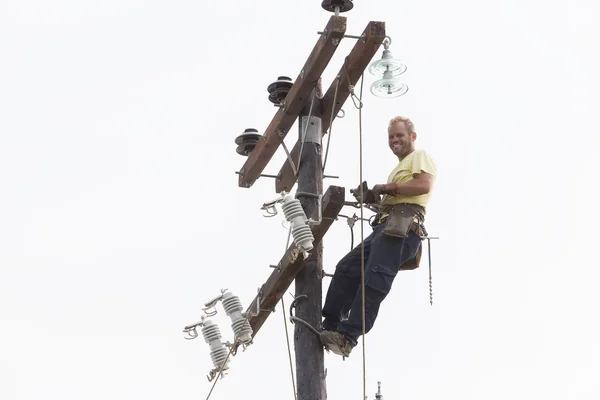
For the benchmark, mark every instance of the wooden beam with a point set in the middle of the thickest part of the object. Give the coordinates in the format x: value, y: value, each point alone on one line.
x: 294, y: 102
x: 355, y: 64
x: 291, y: 263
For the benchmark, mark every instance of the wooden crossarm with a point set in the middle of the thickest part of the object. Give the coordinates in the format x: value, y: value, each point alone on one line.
x: 295, y: 100
x: 355, y: 64
x: 281, y: 278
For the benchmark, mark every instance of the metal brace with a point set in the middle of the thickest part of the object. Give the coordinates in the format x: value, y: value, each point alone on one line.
x: 362, y: 38
x: 319, y: 198
x: 251, y: 313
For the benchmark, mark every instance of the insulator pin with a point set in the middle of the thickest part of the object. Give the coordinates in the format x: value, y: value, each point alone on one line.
x: 247, y: 141
x: 279, y: 89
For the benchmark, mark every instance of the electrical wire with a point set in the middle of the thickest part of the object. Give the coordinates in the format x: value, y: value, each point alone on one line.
x: 218, y: 376
x: 287, y: 334
x: 362, y: 238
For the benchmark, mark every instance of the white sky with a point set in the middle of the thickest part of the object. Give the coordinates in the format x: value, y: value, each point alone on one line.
x: 120, y: 213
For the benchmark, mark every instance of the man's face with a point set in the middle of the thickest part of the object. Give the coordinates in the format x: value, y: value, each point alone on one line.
x: 400, y: 141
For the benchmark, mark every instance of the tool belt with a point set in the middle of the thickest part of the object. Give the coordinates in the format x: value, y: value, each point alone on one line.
x: 400, y: 219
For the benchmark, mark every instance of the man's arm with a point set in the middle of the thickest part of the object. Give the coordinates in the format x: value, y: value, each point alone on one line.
x: 421, y: 184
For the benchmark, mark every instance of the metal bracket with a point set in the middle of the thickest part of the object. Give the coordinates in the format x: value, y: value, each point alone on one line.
x: 294, y: 319
x: 294, y: 255
x: 252, y: 313
x: 289, y: 157
x: 211, y: 304
x: 319, y: 198
x: 261, y: 175
x: 269, y: 206
x: 362, y: 38
x: 313, y: 129
x: 190, y: 330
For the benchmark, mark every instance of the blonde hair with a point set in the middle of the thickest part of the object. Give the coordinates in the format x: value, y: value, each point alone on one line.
x: 407, y: 122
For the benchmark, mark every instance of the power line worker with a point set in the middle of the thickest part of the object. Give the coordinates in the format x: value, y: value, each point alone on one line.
x: 394, y: 244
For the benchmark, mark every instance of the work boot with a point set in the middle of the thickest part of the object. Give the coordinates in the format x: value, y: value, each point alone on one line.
x: 337, y: 343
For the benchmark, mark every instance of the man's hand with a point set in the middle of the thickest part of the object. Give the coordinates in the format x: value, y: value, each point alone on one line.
x: 421, y: 184
x: 369, y: 196
x: 379, y: 189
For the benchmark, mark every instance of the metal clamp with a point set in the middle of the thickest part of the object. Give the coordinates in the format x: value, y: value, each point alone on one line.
x: 294, y: 319
x: 211, y: 304
x: 269, y: 206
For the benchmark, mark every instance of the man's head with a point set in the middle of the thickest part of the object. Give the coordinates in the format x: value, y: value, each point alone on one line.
x: 401, y: 136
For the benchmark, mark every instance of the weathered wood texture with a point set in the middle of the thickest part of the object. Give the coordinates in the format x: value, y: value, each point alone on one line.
x: 294, y: 102
x: 289, y: 266
x: 354, y: 65
x: 310, y: 361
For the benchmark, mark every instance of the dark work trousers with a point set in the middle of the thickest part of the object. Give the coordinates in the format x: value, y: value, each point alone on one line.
x: 383, y: 257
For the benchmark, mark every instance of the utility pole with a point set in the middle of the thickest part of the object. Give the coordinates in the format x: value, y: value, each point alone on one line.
x: 303, y: 100
x: 310, y: 364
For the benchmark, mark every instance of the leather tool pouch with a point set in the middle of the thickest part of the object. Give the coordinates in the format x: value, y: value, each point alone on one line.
x: 401, y: 220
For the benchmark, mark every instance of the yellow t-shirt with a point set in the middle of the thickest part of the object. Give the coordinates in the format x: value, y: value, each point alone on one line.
x: 416, y: 162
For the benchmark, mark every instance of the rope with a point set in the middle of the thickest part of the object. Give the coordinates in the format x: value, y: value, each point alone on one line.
x: 287, y: 334
x: 362, y: 239
x: 287, y: 338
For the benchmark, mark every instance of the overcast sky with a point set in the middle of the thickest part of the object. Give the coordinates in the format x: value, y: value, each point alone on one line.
x: 120, y: 213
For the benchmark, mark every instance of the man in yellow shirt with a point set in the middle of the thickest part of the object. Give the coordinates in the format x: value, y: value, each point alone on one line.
x: 394, y: 244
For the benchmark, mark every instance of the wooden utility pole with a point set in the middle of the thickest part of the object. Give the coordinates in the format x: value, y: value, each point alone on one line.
x: 304, y: 165
x: 310, y: 364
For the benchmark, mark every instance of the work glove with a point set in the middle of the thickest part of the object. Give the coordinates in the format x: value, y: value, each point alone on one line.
x: 369, y: 196
x: 378, y: 189
x: 383, y: 189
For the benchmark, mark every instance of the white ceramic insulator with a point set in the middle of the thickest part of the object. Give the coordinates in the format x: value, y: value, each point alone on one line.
x: 218, y: 351
x: 240, y: 325
x: 293, y: 211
